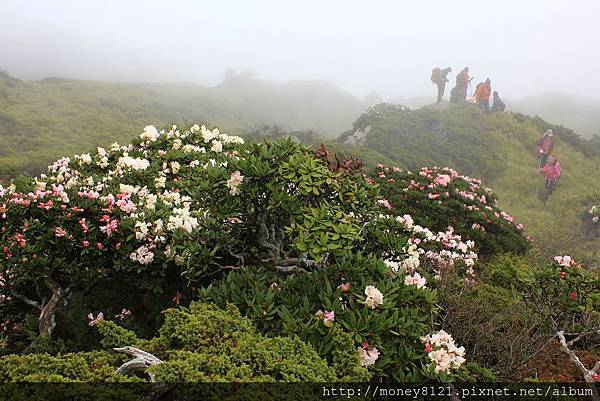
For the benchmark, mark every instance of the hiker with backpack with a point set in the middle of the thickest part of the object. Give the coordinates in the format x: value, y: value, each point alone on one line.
x: 482, y: 95
x: 498, y: 106
x: 551, y: 172
x: 459, y: 92
x: 545, y: 147
x: 440, y: 77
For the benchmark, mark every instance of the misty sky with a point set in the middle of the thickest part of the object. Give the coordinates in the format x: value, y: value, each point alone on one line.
x: 526, y: 46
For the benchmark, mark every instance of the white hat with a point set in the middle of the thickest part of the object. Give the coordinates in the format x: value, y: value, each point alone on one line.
x: 549, y: 132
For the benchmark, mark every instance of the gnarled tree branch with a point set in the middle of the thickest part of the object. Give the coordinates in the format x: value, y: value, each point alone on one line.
x: 588, y: 375
x: 142, y: 361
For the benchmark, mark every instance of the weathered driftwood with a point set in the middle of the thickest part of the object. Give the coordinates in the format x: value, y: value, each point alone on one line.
x: 141, y: 362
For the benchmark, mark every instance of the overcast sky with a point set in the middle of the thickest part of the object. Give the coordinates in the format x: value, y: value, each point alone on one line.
x: 526, y: 47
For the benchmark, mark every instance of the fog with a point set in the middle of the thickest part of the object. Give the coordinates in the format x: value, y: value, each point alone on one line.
x: 525, y: 47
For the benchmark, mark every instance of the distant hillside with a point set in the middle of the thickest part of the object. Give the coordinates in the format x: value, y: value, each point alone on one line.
x: 43, y: 120
x: 500, y: 148
x: 579, y: 113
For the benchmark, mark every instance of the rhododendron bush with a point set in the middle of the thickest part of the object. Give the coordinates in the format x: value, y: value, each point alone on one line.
x: 438, y: 198
x: 177, y: 203
x: 385, y: 312
x: 300, y: 241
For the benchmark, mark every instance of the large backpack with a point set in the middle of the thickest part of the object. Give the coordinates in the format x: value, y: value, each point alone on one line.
x: 436, y: 75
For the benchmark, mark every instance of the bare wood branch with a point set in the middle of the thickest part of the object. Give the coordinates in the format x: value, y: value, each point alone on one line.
x: 143, y: 360
x: 26, y: 300
x: 291, y: 269
x: 578, y: 338
x: 263, y: 240
x: 585, y: 372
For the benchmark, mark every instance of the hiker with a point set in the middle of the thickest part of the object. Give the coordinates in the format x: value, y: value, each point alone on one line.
x: 459, y: 92
x: 545, y: 147
x: 482, y: 95
x: 551, y: 172
x: 498, y: 106
x: 440, y: 77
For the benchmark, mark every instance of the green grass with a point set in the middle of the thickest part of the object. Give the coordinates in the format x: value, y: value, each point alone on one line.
x: 41, y: 121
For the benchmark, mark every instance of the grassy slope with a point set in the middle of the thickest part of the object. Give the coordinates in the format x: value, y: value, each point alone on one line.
x: 43, y: 120
x: 501, y: 149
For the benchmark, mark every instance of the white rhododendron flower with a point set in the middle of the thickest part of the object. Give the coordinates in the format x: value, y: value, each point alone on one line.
x: 150, y: 134
x: 142, y: 255
x: 126, y: 189
x: 141, y: 230
x: 405, y: 220
x: 217, y: 147
x: 133, y: 163
x: 160, y: 182
x: 374, y: 297
x: 443, y: 352
x: 182, y: 220
x: 208, y: 135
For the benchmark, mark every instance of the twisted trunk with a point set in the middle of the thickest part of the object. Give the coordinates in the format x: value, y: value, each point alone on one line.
x: 47, y: 319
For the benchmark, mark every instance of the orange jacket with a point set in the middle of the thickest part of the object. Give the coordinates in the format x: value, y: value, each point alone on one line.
x: 483, y: 91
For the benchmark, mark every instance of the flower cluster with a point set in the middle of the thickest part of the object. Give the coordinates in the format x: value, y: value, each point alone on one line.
x: 445, y: 356
x: 441, y: 251
x: 435, y: 195
x: 565, y: 261
x: 121, y: 206
x: 234, y: 182
x: 328, y: 317
x: 374, y: 297
x: 368, y: 355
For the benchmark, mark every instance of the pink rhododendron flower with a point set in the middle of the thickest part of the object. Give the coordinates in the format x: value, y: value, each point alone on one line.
x: 328, y: 317
x: 60, y: 232
x: 385, y: 203
x: 344, y: 287
x: 565, y: 261
x: 93, y: 320
x: 124, y: 313
x: 368, y: 356
x: 177, y: 298
x: 442, y: 179
x: 234, y: 181
x: 416, y: 280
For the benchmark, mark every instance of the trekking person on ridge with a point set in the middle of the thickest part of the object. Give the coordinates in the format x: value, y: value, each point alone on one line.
x: 440, y: 77
x: 551, y: 172
x: 545, y: 147
x: 498, y: 106
x: 482, y: 95
x: 459, y: 92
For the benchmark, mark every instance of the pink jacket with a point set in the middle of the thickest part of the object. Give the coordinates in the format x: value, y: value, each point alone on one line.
x: 551, y: 172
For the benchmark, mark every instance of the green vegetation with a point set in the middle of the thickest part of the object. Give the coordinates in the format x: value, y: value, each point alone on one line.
x: 41, y: 121
x: 199, y: 343
x: 500, y: 148
x: 296, y: 264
